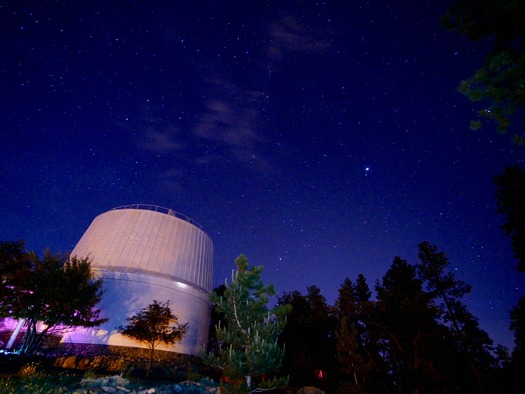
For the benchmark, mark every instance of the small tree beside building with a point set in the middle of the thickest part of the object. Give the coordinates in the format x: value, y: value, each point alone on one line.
x: 51, y: 294
x: 153, y: 325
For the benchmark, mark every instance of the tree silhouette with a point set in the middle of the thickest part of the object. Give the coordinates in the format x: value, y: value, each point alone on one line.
x: 406, y: 329
x: 474, y: 344
x: 354, y: 361
x: 153, y: 325
x: 510, y: 198
x: 499, y: 84
x: 61, y: 293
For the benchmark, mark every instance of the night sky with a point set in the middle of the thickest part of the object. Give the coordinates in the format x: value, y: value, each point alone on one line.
x: 320, y: 139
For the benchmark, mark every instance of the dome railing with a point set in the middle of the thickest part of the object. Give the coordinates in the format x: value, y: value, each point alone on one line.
x: 160, y: 209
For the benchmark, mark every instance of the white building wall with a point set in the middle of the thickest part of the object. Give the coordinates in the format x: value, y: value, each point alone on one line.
x: 148, y: 253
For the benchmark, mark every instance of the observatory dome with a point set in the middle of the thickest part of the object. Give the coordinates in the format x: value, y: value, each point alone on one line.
x: 146, y: 253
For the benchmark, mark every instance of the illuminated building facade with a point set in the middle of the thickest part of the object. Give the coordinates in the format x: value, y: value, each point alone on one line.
x: 147, y: 253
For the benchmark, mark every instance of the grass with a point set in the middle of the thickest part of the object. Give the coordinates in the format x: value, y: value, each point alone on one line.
x: 32, y: 379
x: 39, y: 376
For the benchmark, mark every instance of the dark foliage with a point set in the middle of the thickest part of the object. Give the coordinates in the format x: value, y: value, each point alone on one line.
x: 153, y: 325
x: 309, y: 338
x: 510, y: 198
x: 500, y: 83
x: 58, y: 292
x: 415, y: 337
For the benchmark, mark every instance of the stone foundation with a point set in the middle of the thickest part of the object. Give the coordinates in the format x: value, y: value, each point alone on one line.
x: 118, y: 359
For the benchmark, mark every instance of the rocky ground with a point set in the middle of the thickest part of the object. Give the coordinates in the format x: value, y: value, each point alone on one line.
x: 119, y: 385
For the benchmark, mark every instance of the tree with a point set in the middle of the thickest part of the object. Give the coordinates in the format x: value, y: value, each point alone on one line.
x: 351, y: 358
x: 216, y: 320
x: 510, y: 198
x: 405, y: 318
x: 13, y: 257
x: 473, y: 343
x: 248, y: 344
x: 500, y: 83
x: 153, y: 325
x: 321, y: 325
x: 60, y: 293
x: 298, y: 359
x: 517, y: 317
x: 309, y: 336
x: 354, y: 361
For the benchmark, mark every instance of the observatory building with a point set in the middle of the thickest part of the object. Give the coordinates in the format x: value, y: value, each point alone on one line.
x: 147, y: 253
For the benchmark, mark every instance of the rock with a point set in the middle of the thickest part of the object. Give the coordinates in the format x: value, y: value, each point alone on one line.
x: 96, y: 362
x: 108, y: 389
x: 121, y: 388
x: 83, y: 363
x: 118, y: 380
x: 70, y: 362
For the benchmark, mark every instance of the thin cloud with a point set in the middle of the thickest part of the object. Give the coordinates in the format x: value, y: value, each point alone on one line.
x: 288, y: 34
x: 230, y: 123
x: 223, y: 123
x: 172, y: 179
x: 161, y: 142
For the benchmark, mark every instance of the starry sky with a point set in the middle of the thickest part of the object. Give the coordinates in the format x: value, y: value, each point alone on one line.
x: 320, y: 139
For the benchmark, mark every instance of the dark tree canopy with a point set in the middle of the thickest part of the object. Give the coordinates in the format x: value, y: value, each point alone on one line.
x: 473, y: 344
x: 408, y: 327
x: 500, y: 83
x: 308, y: 336
x: 57, y: 291
x: 517, y: 325
x: 13, y: 257
x: 153, y: 325
x: 510, y: 198
x: 416, y: 336
x: 353, y: 348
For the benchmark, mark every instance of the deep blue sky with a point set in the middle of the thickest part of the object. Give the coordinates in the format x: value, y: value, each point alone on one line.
x: 320, y: 139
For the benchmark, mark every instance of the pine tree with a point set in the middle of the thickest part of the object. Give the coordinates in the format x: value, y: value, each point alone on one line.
x: 405, y: 318
x: 499, y: 83
x: 473, y: 343
x: 248, y: 345
x: 510, y: 197
x: 353, y: 360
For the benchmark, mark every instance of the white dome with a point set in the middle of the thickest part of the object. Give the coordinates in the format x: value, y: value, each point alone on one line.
x: 147, y: 253
x: 149, y: 239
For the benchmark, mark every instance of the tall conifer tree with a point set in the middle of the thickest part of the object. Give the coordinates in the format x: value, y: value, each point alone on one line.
x: 248, y: 345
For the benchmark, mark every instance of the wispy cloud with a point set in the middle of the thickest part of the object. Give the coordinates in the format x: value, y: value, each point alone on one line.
x: 172, y: 179
x: 232, y: 127
x: 288, y: 34
x: 162, y: 142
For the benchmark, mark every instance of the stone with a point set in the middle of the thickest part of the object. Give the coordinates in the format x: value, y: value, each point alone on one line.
x: 108, y: 389
x: 118, y: 380
x: 122, y: 388
x: 97, y: 362
x: 70, y: 362
x: 83, y: 363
